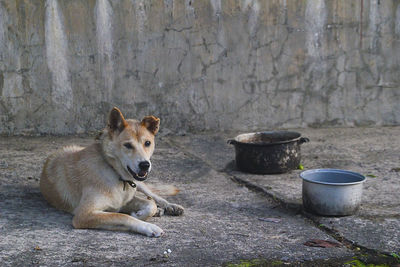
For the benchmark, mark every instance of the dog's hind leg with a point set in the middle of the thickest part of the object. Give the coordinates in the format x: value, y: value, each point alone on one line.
x: 141, y: 208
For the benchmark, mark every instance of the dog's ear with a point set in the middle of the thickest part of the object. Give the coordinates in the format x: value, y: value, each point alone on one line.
x: 151, y: 123
x: 116, y: 122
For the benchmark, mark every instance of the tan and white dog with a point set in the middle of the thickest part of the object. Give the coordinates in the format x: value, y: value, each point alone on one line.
x: 97, y: 184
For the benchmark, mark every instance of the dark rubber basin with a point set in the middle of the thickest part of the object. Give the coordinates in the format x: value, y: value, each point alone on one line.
x: 268, y: 152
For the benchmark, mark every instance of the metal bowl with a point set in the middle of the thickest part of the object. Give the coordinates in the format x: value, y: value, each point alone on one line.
x: 331, y: 192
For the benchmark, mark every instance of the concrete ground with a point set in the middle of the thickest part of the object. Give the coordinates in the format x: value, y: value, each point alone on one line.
x: 230, y: 217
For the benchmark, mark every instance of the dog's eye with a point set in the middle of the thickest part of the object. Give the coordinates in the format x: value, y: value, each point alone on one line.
x: 147, y: 143
x: 128, y: 145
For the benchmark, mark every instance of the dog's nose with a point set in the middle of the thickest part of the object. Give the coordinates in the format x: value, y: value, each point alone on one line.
x: 144, y: 165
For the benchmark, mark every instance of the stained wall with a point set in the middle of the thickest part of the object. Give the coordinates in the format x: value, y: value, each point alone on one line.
x: 198, y: 64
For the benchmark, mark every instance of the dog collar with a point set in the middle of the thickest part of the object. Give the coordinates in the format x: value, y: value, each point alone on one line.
x: 131, y: 183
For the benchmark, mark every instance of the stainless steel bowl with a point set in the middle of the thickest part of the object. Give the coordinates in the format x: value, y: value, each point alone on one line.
x: 331, y: 192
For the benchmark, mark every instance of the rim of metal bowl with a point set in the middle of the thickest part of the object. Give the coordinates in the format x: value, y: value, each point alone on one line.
x: 235, y: 140
x: 358, y: 175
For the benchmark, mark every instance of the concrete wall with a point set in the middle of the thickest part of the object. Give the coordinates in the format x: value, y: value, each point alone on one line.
x: 198, y: 64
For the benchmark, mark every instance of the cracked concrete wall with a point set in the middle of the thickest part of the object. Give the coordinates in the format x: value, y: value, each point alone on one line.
x: 197, y: 64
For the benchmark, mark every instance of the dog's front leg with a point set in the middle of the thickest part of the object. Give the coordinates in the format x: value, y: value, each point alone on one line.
x: 140, y: 208
x: 170, y: 208
x: 114, y: 221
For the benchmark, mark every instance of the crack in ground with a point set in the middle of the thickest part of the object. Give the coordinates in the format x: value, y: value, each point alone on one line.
x: 366, y: 254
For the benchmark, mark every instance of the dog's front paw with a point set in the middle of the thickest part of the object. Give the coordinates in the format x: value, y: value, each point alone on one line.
x: 159, y: 212
x: 174, y: 209
x: 151, y: 230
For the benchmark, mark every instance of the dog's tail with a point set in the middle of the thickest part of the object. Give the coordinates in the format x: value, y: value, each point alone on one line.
x: 163, y: 190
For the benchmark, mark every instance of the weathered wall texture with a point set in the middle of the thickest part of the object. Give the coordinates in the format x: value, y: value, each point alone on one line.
x: 197, y: 64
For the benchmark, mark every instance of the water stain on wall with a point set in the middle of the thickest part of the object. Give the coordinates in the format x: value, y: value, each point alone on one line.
x: 198, y: 64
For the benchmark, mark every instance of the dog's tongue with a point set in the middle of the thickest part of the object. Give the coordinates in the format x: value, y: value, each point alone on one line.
x: 142, y: 173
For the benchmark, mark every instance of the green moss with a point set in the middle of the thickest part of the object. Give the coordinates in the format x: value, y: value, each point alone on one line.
x: 360, y: 260
x: 256, y: 262
x: 396, y: 256
x: 246, y: 263
x: 358, y: 263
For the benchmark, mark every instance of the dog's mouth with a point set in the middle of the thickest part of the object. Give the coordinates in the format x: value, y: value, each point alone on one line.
x: 141, y: 176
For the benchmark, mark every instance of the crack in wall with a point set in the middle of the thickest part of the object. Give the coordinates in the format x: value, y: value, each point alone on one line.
x: 298, y: 63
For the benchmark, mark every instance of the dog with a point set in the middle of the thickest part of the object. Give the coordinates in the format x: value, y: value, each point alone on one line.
x: 98, y: 183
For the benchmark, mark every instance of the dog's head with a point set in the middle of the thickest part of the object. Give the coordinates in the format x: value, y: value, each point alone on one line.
x: 128, y: 144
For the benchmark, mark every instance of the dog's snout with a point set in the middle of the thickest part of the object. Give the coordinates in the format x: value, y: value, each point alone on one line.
x: 144, y: 165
